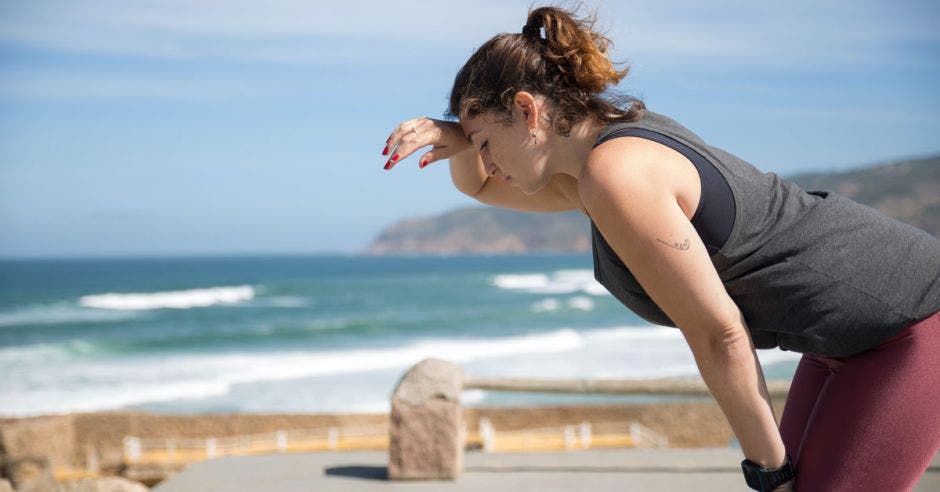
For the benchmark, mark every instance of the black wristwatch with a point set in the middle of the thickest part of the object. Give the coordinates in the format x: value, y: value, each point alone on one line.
x: 760, y: 478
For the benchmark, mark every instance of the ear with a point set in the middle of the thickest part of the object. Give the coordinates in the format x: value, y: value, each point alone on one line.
x: 526, y: 103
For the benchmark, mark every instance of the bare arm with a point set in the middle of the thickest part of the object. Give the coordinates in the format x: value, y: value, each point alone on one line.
x: 469, y: 176
x: 466, y: 171
x: 636, y: 209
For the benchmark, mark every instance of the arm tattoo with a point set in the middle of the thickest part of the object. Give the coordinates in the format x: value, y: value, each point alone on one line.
x: 684, y: 245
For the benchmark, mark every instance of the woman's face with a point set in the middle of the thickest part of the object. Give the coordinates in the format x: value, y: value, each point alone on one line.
x: 509, y: 152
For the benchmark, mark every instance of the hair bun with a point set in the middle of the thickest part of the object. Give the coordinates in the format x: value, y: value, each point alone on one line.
x: 532, y: 31
x: 557, y: 55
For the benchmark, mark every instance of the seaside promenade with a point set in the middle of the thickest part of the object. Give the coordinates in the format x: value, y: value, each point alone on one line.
x: 700, y: 469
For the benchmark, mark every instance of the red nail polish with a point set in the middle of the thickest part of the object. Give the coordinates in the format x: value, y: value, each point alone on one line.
x: 394, y: 157
x: 385, y: 151
x: 388, y: 164
x: 423, y: 163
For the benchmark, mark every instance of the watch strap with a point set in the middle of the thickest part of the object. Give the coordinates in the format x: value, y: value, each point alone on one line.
x: 760, y: 478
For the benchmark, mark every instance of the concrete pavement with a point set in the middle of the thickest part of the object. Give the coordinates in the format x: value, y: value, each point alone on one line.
x: 700, y: 469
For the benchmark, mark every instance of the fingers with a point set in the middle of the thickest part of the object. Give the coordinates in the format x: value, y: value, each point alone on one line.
x: 426, y: 159
x: 405, y: 140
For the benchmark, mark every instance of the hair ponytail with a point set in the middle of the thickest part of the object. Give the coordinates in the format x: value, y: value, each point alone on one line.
x: 569, y: 65
x: 577, y: 51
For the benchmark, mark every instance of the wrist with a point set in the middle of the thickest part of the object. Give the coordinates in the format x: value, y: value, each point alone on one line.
x: 777, y: 465
x: 776, y: 462
x: 765, y: 479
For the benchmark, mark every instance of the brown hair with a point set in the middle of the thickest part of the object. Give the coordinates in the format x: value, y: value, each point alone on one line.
x: 569, y: 66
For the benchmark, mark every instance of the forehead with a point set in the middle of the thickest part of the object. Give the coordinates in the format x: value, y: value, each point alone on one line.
x: 472, y: 126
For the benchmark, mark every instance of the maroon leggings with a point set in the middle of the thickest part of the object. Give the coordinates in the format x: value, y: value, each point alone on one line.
x: 870, y: 421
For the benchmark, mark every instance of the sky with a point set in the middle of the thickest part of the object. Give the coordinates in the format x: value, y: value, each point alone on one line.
x: 230, y: 127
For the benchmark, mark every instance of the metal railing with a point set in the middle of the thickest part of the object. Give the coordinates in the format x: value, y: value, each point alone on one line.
x: 585, y: 435
x: 172, y: 450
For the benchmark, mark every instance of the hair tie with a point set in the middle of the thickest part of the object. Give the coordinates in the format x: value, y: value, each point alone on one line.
x: 532, y: 31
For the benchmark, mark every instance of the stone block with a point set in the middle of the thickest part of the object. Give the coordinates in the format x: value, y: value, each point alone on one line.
x: 426, y: 430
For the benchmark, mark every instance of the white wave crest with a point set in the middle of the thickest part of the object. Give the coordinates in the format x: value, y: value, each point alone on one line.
x: 582, y: 303
x: 114, y: 381
x: 560, y: 282
x: 174, y: 299
x: 552, y: 304
x: 520, y: 281
x: 90, y: 385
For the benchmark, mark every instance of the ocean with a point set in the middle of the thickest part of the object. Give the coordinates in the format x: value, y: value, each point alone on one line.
x: 320, y: 333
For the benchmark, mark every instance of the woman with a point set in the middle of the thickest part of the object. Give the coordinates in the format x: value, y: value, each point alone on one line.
x: 688, y: 235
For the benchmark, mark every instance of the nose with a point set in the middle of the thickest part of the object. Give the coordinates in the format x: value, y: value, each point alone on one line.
x: 491, y: 169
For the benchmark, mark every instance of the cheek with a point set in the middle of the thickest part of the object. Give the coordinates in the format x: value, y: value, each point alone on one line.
x: 506, y: 157
x: 492, y: 150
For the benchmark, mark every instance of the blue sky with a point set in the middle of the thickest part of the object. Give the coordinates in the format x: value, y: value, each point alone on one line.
x: 239, y: 127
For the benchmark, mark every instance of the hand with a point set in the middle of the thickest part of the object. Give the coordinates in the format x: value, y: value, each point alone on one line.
x: 785, y: 487
x: 447, y: 138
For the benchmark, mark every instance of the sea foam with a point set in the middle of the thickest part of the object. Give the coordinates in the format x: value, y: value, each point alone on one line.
x: 113, y: 382
x: 174, y: 299
x: 75, y: 382
x: 560, y: 282
x: 552, y: 304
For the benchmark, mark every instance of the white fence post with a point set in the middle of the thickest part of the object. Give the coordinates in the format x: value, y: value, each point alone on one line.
x: 281, y: 441
x: 585, y: 435
x: 486, y: 433
x: 332, y: 437
x: 569, y: 436
x: 171, y: 450
x: 132, y: 448
x: 210, y: 448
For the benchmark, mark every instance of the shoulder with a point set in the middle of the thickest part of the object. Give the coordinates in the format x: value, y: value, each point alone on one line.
x: 629, y: 166
x: 634, y: 166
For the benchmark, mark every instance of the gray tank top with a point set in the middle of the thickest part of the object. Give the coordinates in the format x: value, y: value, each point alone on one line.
x: 812, y: 271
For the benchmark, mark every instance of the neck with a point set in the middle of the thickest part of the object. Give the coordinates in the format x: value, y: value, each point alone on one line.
x: 571, y: 152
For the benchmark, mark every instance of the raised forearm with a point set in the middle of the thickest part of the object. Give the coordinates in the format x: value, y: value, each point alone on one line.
x: 466, y: 171
x: 735, y: 379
